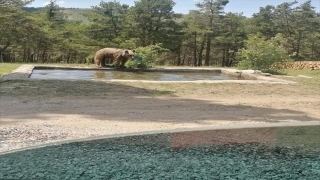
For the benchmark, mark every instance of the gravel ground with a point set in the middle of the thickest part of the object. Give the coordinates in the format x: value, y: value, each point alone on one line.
x: 126, y: 159
x: 27, y: 135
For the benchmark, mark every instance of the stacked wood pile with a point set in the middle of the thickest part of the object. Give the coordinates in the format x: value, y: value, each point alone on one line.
x: 308, y: 65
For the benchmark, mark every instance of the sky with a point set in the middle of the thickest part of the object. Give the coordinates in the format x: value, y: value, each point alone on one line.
x: 247, y: 7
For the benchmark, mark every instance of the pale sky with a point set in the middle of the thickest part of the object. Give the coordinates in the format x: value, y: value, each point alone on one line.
x: 248, y: 7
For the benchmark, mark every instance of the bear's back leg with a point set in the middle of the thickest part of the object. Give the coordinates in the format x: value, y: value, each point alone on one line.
x: 103, y: 61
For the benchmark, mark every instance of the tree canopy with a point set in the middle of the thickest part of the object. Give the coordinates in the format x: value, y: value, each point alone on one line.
x: 205, y: 36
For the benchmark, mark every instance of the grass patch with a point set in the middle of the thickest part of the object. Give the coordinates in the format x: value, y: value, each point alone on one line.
x: 308, y: 83
x: 6, y: 68
x: 295, y: 72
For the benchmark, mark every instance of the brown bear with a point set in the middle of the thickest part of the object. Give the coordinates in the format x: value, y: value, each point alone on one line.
x: 119, y: 56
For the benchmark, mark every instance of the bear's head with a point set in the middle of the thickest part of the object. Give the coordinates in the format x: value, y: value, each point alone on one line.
x: 129, y: 53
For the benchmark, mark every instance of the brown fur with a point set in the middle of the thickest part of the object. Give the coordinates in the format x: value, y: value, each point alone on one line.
x: 119, y: 56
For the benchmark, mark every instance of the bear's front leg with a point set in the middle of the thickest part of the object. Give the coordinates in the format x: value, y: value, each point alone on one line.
x: 117, y: 63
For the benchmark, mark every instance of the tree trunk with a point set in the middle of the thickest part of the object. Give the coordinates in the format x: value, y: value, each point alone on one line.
x: 28, y: 54
x: 31, y: 56
x: 195, y: 49
x: 5, y: 47
x: 43, y: 56
x: 208, y: 36
x: 75, y: 57
x: 223, y: 58
x: 184, y: 57
x: 179, y: 56
x: 49, y: 58
x: 2, y: 50
x: 68, y: 57
x: 5, y: 57
x: 200, y: 53
x: 24, y: 59
x: 13, y: 57
x: 298, y: 45
x: 207, y: 60
x: 38, y: 57
x: 312, y: 51
x: 227, y: 63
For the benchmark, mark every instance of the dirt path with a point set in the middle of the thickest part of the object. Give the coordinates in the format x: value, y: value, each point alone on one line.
x: 37, y: 112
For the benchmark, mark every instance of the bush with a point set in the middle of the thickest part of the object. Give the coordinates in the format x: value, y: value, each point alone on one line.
x: 261, y: 54
x: 146, y: 56
x: 137, y: 62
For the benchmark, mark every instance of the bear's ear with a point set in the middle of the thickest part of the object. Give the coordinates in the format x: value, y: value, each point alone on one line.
x: 133, y: 50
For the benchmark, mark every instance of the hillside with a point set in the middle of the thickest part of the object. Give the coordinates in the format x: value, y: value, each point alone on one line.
x: 76, y: 14
x: 73, y: 14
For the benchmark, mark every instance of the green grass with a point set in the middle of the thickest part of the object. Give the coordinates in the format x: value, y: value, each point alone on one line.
x: 311, y: 83
x: 6, y: 68
x: 291, y: 72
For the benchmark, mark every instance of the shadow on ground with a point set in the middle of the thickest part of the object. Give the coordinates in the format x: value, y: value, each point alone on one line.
x: 51, y: 99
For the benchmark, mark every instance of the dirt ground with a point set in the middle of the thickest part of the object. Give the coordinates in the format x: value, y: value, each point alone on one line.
x: 34, y: 112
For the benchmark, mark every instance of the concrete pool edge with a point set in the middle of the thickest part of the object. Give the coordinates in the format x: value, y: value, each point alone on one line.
x: 243, y: 127
x: 251, y: 77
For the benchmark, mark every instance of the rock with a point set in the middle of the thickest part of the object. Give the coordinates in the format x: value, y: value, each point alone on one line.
x: 303, y: 76
x: 250, y: 71
x: 266, y: 74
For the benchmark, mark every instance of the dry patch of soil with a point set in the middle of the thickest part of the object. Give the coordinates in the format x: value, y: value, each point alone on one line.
x: 40, y: 111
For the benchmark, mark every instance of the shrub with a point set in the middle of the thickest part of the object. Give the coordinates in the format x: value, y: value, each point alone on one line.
x: 137, y: 62
x: 147, y: 56
x: 261, y: 54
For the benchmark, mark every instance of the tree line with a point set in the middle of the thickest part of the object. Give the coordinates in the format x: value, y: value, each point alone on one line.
x: 206, y: 36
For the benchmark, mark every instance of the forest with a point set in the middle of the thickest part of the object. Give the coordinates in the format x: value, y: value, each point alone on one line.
x: 206, y: 36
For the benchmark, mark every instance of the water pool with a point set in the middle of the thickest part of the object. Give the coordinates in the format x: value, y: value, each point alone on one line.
x: 125, y: 75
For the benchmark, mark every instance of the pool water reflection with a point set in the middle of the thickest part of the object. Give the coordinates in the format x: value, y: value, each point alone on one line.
x: 125, y: 75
